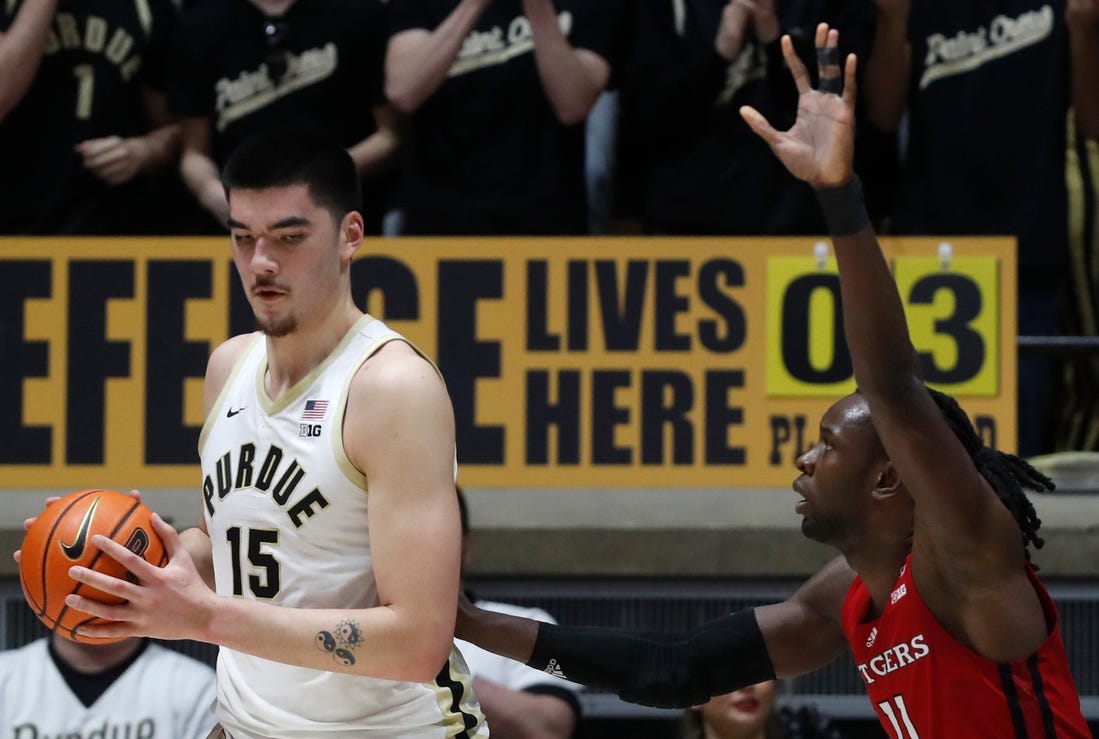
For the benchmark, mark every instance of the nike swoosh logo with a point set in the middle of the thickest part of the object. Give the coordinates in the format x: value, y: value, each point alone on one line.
x: 232, y: 412
x: 76, y: 549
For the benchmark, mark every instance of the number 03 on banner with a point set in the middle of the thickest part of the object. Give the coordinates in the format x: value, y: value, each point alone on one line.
x: 954, y: 317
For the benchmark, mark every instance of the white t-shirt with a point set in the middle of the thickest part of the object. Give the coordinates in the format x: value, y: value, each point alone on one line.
x: 163, y: 694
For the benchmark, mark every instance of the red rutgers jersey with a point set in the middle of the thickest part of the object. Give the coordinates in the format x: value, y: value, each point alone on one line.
x: 925, y: 685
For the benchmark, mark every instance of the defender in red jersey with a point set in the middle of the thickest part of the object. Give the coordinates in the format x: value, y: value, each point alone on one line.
x: 934, y: 593
x: 918, y: 675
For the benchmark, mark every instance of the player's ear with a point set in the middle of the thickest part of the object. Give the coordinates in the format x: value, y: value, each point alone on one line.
x: 352, y: 230
x: 887, y: 483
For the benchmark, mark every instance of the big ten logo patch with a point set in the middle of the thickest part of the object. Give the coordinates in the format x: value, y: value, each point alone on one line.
x: 309, y: 430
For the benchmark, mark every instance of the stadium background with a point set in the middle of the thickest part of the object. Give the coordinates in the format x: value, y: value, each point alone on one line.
x: 628, y: 410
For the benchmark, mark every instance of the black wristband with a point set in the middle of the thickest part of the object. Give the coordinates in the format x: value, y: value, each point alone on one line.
x: 658, y: 669
x: 844, y: 208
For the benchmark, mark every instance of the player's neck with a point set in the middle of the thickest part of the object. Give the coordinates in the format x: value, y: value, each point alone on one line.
x: 292, y: 357
x: 879, y: 567
x: 92, y: 658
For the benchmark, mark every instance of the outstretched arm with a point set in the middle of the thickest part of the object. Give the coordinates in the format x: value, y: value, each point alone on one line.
x: 967, y: 554
x: 682, y: 669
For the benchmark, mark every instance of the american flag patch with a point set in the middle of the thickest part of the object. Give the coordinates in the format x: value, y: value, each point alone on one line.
x: 314, y: 410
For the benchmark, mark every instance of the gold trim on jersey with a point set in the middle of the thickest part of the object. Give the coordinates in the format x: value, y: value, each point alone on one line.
x: 219, y: 402
x: 454, y: 720
x: 339, y: 451
x: 275, y: 407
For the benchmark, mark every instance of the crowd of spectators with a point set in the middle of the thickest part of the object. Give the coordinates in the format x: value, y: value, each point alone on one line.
x: 467, y: 117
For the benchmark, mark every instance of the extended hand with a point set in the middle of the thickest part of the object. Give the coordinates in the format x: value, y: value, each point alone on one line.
x: 819, y: 148
x: 169, y: 602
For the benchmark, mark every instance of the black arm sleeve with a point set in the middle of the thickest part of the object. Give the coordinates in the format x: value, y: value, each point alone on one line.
x: 655, y: 669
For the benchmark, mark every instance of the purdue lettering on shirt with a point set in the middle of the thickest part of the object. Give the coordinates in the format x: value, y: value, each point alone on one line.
x: 288, y: 477
x: 96, y: 37
x: 967, y: 50
x: 253, y: 89
x: 144, y: 729
x: 495, y: 45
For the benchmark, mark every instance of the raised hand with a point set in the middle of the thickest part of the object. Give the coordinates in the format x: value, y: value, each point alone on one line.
x: 820, y: 146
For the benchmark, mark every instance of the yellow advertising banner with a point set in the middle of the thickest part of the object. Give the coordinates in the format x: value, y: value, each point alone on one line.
x: 622, y: 362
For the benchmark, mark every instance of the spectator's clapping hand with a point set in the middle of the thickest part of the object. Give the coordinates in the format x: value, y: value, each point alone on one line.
x: 113, y: 159
x: 819, y: 148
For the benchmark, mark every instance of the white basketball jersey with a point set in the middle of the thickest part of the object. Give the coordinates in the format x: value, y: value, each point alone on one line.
x: 287, y: 516
x: 162, y: 694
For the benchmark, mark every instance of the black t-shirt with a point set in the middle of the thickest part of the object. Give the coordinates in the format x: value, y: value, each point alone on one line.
x: 703, y: 170
x: 322, y: 67
x: 987, y: 111
x: 488, y: 155
x: 99, y: 57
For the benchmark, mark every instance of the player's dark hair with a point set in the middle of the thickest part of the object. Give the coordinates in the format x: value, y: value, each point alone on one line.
x: 1006, y: 473
x: 282, y: 156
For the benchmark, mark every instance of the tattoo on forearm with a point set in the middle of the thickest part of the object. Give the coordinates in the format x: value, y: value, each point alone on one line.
x: 340, y: 641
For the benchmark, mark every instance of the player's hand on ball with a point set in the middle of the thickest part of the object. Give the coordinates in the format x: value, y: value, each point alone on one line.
x: 28, y: 522
x: 169, y: 602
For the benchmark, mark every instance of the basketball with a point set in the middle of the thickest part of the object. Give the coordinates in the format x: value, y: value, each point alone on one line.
x: 61, y: 538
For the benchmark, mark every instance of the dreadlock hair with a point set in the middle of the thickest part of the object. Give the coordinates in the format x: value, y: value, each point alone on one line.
x: 1006, y: 473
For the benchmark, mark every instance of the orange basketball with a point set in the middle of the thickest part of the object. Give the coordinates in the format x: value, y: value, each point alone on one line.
x: 61, y: 538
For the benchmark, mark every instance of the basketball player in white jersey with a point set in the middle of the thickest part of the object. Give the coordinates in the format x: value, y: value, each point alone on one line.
x: 133, y: 688
x: 331, y: 532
